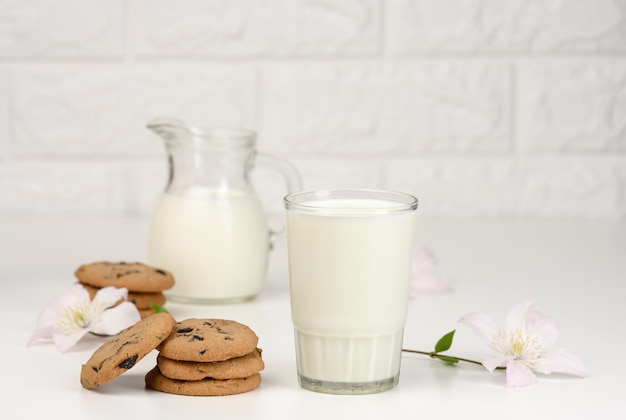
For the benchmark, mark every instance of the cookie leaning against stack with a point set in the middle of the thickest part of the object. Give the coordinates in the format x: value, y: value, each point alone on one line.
x: 208, y: 357
x: 145, y: 283
x: 123, y: 351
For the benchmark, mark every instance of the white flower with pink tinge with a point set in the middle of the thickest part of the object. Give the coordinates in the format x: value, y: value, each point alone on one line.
x: 74, y: 314
x: 522, y: 346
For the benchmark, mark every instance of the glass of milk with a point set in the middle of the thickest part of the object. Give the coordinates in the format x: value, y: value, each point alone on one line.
x: 349, y: 272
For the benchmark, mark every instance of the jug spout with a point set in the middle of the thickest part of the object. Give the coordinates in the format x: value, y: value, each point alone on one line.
x: 170, y: 129
x: 155, y: 123
x: 175, y: 131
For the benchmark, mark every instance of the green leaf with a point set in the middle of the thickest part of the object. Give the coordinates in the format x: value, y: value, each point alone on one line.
x: 158, y: 308
x: 448, y: 359
x: 444, y: 342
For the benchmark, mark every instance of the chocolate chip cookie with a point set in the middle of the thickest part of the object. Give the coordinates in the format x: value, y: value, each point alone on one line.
x: 136, y: 276
x: 121, y: 352
x: 205, y: 387
x: 238, y: 367
x: 208, y: 340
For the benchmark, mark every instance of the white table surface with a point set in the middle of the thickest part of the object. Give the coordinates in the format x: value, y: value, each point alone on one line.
x: 576, y: 272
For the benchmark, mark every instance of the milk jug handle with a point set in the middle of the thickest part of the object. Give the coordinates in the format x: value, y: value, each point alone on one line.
x: 292, y: 181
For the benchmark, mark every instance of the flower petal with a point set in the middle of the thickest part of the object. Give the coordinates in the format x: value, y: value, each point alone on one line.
x: 518, y: 316
x: 532, y: 323
x: 44, y: 332
x: 492, y: 362
x: 562, y: 361
x: 422, y: 257
x: 518, y: 374
x: 49, y: 317
x: 110, y: 295
x: 116, y: 319
x: 56, y: 310
x: 544, y: 329
x: 483, y: 326
x: 424, y: 274
x: 75, y: 294
x: 65, y: 341
x: 428, y: 281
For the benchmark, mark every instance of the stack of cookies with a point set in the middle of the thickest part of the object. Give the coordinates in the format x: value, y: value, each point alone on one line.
x: 145, y: 284
x: 207, y: 357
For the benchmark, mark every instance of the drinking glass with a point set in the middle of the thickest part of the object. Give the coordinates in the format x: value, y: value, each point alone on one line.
x: 349, y: 257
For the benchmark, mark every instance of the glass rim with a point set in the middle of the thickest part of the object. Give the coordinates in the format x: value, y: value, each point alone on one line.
x: 304, y: 201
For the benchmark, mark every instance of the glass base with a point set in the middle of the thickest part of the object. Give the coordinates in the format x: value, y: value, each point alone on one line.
x: 347, y: 388
x: 207, y: 301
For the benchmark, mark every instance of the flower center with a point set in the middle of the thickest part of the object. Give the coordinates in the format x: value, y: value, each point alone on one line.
x: 518, y: 345
x: 521, y: 346
x: 80, y: 316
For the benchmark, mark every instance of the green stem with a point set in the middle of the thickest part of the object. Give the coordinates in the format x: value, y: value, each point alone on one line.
x: 435, y: 355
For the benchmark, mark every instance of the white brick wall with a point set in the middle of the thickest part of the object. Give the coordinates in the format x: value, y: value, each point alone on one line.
x: 489, y: 108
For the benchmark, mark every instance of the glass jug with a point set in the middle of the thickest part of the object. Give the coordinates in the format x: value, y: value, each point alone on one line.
x: 209, y: 228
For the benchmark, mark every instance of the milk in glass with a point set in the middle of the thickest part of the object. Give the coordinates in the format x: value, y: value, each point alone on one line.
x: 349, y: 272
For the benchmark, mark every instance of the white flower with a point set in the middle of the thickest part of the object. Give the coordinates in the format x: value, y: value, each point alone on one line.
x: 74, y: 314
x: 522, y: 346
